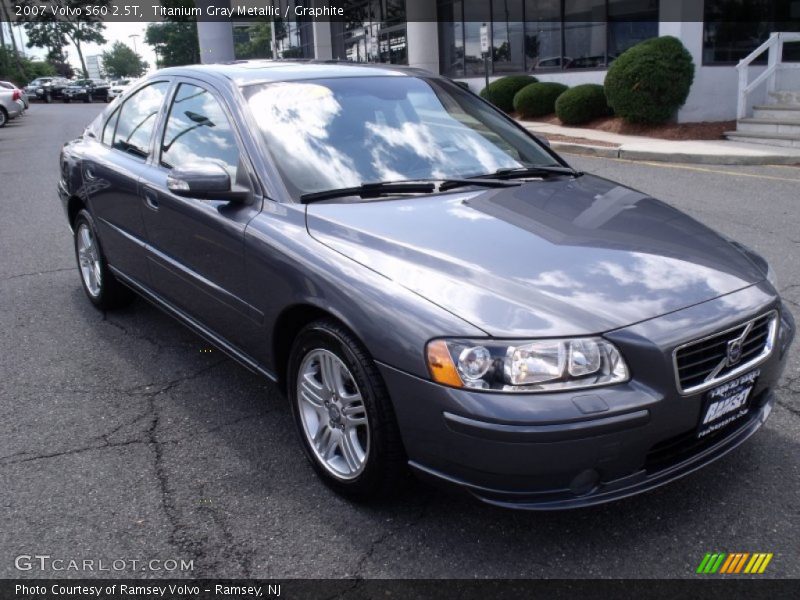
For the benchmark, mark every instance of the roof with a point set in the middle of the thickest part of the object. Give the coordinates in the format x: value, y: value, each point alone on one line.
x: 247, y: 72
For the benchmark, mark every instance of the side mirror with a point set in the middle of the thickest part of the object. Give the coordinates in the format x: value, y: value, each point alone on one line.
x: 205, y: 181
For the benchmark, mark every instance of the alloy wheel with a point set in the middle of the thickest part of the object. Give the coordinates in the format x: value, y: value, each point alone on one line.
x: 89, y: 260
x: 333, y: 414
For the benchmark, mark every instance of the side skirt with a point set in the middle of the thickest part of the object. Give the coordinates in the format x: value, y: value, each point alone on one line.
x: 197, y: 327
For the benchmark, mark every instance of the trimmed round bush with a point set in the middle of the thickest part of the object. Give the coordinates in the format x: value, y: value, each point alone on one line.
x: 538, y: 99
x: 502, y: 91
x: 582, y: 104
x: 650, y: 81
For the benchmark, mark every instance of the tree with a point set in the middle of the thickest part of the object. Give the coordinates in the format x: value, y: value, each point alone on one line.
x: 175, y: 43
x: 121, y: 61
x: 253, y: 41
x: 53, y: 32
x: 24, y: 70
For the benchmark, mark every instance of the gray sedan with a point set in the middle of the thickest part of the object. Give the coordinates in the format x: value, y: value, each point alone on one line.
x: 432, y: 286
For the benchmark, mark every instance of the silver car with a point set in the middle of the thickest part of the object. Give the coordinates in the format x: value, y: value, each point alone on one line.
x: 23, y: 98
x: 10, y: 105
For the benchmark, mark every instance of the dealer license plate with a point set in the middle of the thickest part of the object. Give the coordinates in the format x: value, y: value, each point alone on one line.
x: 726, y: 403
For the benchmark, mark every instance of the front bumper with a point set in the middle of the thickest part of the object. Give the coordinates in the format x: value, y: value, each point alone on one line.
x: 569, y: 450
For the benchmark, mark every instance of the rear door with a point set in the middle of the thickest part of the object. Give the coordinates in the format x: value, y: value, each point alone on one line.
x: 196, y: 247
x: 111, y: 178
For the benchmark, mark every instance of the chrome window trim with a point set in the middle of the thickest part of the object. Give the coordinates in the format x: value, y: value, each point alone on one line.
x: 764, y: 355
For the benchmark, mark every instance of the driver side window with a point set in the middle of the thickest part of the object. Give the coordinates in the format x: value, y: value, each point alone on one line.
x: 197, y: 131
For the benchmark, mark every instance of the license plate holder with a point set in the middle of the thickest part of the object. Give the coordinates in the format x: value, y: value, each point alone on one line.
x: 726, y: 403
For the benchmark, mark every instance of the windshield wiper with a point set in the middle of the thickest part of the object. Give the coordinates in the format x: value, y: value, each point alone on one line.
x: 536, y: 171
x: 371, y: 190
x: 450, y: 184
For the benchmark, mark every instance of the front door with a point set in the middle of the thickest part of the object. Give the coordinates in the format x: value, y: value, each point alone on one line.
x: 196, y: 247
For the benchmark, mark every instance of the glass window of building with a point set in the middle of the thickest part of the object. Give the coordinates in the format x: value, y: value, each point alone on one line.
x: 541, y: 35
x: 294, y: 37
x: 732, y: 29
x: 374, y: 32
x: 508, y: 39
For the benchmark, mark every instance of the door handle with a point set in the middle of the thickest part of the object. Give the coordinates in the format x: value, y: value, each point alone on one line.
x: 151, y: 200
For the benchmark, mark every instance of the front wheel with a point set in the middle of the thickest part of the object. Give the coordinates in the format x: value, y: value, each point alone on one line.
x: 3, y: 117
x: 89, y: 99
x: 343, y: 413
x: 48, y: 98
x: 99, y: 283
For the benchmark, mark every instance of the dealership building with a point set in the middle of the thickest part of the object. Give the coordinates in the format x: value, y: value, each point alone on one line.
x: 569, y: 41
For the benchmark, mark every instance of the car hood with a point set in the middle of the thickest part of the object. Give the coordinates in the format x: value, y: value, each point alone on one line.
x: 555, y: 257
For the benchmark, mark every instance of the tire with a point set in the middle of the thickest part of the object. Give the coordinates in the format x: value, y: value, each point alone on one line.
x: 374, y: 467
x: 89, y: 99
x: 67, y: 100
x: 97, y: 280
x: 3, y: 117
x: 48, y: 98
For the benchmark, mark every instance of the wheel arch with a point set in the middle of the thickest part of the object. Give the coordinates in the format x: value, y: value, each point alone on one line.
x: 74, y: 205
x: 288, y: 324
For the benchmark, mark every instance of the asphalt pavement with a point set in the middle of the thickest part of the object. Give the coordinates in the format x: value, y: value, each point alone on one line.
x: 125, y: 437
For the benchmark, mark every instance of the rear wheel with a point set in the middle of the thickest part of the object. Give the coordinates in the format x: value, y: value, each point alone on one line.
x: 48, y: 98
x: 99, y: 283
x: 3, y: 117
x: 89, y: 98
x: 343, y: 413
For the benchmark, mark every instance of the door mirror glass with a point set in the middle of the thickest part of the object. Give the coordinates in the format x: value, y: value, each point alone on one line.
x: 205, y: 180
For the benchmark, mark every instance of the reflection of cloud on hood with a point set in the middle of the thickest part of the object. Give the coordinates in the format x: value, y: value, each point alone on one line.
x: 295, y: 118
x: 663, y: 273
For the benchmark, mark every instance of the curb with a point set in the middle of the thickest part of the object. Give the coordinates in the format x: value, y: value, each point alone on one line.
x: 585, y: 149
x: 683, y: 158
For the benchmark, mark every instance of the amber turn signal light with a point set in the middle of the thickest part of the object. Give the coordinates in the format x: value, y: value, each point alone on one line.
x: 441, y: 365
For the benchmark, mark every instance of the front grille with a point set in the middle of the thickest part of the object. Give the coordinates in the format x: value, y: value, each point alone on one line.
x: 701, y: 364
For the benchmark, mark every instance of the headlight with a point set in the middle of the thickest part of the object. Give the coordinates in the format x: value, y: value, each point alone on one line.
x: 39, y: 90
x: 529, y: 366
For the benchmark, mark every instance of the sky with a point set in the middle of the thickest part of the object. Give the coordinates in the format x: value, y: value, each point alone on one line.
x: 114, y: 32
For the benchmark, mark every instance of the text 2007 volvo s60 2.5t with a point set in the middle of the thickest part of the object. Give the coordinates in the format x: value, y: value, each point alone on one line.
x: 430, y: 284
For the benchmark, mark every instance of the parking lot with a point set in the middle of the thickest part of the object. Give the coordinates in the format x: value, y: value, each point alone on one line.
x: 126, y: 437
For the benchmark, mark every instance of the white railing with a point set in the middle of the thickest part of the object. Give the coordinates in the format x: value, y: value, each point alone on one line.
x: 774, y: 63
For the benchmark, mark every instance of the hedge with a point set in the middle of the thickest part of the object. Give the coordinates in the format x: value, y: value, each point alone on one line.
x: 649, y: 82
x: 502, y: 91
x: 582, y: 104
x: 538, y: 99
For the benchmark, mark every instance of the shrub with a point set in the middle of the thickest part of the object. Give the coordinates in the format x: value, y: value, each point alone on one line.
x: 501, y: 92
x: 538, y: 99
x: 650, y: 81
x: 582, y: 104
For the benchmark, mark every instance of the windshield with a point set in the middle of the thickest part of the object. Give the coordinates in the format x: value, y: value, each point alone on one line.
x: 82, y: 82
x: 41, y: 81
x: 327, y: 134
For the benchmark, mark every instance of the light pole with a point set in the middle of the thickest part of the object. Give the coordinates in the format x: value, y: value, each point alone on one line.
x: 134, y: 36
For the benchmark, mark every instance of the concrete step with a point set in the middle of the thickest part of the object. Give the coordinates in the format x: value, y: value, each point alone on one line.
x: 786, y: 96
x: 784, y: 140
x: 780, y: 112
x: 767, y: 127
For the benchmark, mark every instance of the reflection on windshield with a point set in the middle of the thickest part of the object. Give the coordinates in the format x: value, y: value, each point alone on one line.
x: 336, y: 133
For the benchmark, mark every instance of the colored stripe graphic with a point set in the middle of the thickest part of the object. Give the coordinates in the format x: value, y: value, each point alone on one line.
x: 733, y: 563
x: 726, y: 566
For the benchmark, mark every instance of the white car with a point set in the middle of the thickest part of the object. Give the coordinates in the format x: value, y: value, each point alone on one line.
x: 118, y: 87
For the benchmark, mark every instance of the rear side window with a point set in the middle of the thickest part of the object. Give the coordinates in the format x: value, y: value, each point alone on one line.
x: 137, y: 118
x: 108, y: 130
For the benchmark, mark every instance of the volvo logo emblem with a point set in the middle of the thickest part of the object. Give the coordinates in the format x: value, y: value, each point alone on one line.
x: 735, y: 351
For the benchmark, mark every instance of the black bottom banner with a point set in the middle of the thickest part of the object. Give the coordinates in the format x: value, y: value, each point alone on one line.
x: 390, y: 589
